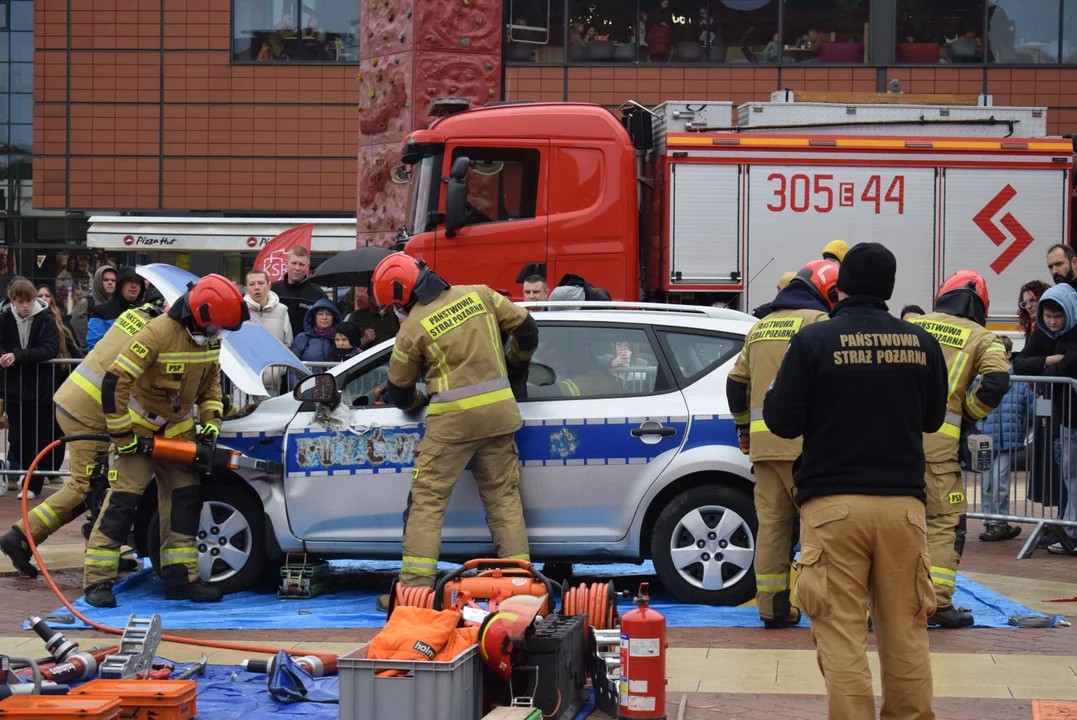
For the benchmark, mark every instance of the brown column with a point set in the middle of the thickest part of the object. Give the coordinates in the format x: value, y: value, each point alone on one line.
x: 413, y: 51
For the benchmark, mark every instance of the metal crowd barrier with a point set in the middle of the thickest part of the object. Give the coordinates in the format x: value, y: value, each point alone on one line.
x: 1033, y: 479
x: 29, y: 417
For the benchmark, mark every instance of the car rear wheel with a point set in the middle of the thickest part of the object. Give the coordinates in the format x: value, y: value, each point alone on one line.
x: 230, y: 540
x: 703, y: 546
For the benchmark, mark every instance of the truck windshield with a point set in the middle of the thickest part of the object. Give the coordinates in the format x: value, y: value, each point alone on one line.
x: 422, y: 178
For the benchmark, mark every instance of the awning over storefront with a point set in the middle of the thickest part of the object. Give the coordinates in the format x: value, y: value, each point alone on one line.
x: 187, y: 234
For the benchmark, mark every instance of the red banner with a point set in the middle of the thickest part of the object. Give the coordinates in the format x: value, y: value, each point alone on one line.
x: 273, y: 258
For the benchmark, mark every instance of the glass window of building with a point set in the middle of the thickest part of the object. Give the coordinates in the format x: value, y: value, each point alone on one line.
x: 1023, y: 31
x: 1069, y: 32
x: 22, y: 46
x: 22, y: 77
x: 825, y: 31
x: 602, y: 31
x: 741, y: 31
x: 21, y: 15
x: 304, y: 31
x: 536, y: 32
x: 939, y: 31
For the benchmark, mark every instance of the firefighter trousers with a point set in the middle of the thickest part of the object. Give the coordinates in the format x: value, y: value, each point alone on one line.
x: 89, y: 460
x: 495, y: 463
x: 857, y: 549
x: 179, y: 504
x: 946, y: 508
x: 777, y: 512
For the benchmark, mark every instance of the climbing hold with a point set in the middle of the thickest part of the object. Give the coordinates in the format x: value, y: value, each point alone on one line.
x: 430, y: 38
x: 437, y: 67
x: 377, y: 173
x: 378, y: 160
x: 467, y: 3
x: 384, y: 92
x: 371, y: 93
x: 408, y: 15
x: 367, y: 223
x: 369, y: 32
x: 359, y: 108
x: 401, y: 37
x: 453, y: 89
x: 374, y: 5
x: 465, y: 42
x: 385, y: 36
x: 406, y: 106
x: 479, y: 20
x: 377, y: 76
x: 489, y: 66
x: 374, y: 62
x: 399, y: 127
x: 359, y: 77
x: 469, y: 76
x: 392, y: 16
x: 396, y: 61
x: 491, y: 91
x: 392, y: 81
x: 456, y: 10
x: 431, y: 91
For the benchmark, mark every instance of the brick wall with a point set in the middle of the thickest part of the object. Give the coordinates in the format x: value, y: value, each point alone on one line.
x: 1054, y: 88
x: 153, y: 115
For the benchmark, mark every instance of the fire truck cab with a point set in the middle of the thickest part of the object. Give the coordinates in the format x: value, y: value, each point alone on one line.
x: 684, y: 204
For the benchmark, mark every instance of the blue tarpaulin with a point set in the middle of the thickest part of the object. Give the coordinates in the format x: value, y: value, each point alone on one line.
x: 351, y: 604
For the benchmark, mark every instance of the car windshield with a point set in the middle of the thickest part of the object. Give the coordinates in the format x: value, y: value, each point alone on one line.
x: 421, y: 178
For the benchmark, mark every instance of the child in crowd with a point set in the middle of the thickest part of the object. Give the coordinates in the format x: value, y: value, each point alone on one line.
x: 347, y: 341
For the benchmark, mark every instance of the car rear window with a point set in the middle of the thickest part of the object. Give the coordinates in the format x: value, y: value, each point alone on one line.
x: 694, y: 355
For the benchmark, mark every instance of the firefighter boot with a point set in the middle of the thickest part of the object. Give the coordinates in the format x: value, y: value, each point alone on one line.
x: 178, y: 587
x: 129, y: 563
x: 99, y: 595
x: 13, y: 544
x: 951, y: 618
x: 785, y: 615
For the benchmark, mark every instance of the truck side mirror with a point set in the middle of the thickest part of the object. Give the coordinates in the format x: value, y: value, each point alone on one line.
x: 456, y: 196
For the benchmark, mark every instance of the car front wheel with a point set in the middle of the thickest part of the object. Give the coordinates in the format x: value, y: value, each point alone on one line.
x: 230, y: 539
x: 703, y: 545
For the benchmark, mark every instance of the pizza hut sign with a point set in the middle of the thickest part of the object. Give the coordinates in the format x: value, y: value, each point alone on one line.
x: 149, y: 241
x: 257, y: 242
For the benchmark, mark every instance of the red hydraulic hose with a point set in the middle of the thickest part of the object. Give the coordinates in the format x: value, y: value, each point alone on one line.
x: 117, y: 631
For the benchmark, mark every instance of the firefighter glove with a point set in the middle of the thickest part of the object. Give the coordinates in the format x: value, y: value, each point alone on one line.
x: 209, y: 431
x: 381, y: 395
x: 745, y: 439
x: 133, y: 444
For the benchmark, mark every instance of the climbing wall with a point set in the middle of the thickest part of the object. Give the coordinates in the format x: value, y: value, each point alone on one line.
x: 413, y: 51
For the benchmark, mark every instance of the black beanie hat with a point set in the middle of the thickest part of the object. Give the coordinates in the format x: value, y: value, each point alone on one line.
x: 351, y: 331
x: 868, y: 269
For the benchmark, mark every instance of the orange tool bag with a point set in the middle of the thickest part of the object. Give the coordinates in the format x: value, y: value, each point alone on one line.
x: 57, y: 707
x: 146, y: 699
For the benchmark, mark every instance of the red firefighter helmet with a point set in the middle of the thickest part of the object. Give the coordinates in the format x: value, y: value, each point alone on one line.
x: 502, y: 631
x: 822, y: 276
x: 394, y: 279
x: 966, y: 280
x: 216, y: 304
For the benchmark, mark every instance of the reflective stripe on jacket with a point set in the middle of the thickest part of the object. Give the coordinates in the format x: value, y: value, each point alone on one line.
x: 160, y: 381
x: 80, y: 394
x: 969, y: 350
x: 757, y: 365
x: 456, y: 340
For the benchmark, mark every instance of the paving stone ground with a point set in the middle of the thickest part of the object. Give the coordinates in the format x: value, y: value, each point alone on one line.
x: 20, y: 597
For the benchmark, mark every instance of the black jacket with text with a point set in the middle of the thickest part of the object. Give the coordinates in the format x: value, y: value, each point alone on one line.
x: 862, y: 389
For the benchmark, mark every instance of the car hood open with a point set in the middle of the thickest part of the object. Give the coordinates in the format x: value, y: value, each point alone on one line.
x: 245, y: 353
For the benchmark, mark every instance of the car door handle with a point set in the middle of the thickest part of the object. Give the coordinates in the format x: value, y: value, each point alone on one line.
x: 660, y: 431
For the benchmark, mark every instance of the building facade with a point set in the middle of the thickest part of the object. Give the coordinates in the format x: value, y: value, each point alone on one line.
x: 268, y: 111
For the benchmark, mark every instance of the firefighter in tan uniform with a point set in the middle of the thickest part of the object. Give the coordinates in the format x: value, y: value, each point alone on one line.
x: 958, y: 323
x: 451, y: 335
x: 165, y: 377
x: 807, y: 299
x: 78, y: 412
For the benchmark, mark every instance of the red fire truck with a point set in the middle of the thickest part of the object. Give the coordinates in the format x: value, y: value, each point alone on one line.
x: 682, y: 204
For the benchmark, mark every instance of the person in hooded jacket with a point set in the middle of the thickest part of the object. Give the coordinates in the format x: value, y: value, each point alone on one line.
x: 28, y: 337
x: 130, y: 289
x: 805, y: 300
x: 101, y: 289
x: 1052, y: 352
x: 315, y: 343
x: 959, y: 323
x: 347, y: 341
x: 267, y: 310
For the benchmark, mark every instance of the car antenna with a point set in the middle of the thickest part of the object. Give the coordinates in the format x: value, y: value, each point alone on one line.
x: 760, y: 272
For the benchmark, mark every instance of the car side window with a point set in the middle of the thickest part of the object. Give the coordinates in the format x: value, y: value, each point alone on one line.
x: 502, y: 183
x: 362, y: 380
x: 696, y: 354
x: 590, y: 361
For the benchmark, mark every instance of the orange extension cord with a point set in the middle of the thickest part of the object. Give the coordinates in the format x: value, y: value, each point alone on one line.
x: 266, y: 649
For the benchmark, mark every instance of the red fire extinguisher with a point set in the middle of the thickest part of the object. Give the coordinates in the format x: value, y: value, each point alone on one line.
x: 643, y: 661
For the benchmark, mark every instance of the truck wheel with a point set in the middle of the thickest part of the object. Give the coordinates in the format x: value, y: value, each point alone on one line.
x: 703, y: 546
x: 233, y: 524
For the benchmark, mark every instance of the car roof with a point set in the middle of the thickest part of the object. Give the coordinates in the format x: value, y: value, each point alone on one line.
x: 687, y: 316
